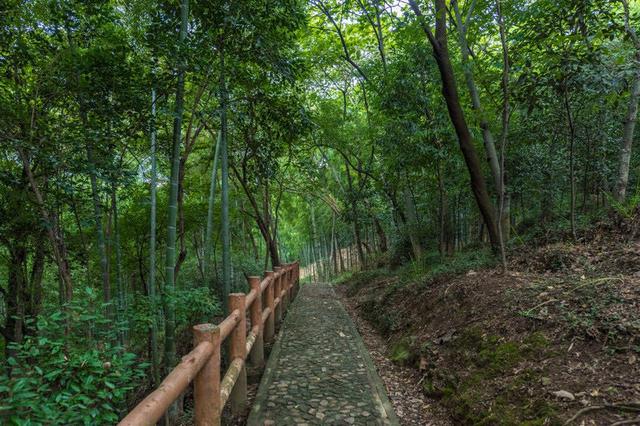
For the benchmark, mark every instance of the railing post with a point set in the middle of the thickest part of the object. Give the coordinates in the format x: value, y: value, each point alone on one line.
x: 269, y: 327
x: 284, y: 289
x: 257, y: 351
x: 207, y: 382
x: 296, y: 278
x: 238, y: 349
x: 277, y: 288
x: 290, y: 282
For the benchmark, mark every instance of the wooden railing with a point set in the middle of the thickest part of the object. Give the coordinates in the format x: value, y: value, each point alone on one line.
x: 266, y: 302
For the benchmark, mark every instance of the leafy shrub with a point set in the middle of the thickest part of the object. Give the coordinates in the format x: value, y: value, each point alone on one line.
x: 194, y: 305
x: 628, y: 207
x: 69, y: 372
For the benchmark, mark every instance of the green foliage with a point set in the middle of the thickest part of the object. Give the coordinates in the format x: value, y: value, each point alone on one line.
x: 433, y: 265
x: 627, y: 208
x: 402, y: 353
x: 195, y: 305
x: 54, y: 379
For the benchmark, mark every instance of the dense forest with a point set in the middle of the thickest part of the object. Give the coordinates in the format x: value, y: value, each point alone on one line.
x: 153, y: 155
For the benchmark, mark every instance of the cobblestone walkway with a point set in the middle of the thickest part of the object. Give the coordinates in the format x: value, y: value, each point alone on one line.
x: 319, y: 371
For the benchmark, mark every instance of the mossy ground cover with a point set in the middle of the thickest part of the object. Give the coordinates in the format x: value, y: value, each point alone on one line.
x: 492, y: 359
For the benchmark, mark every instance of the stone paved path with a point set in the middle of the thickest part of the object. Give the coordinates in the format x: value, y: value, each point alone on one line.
x: 319, y: 371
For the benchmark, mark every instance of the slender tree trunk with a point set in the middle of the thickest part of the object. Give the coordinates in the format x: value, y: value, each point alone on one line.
x: 53, y: 232
x: 354, y: 212
x: 412, y: 225
x: 209, y: 231
x: 35, y: 292
x: 14, y: 319
x: 314, y: 262
x: 100, y: 239
x: 226, y: 237
x: 487, y: 136
x: 505, y: 134
x: 572, y: 174
x: 151, y: 287
x: 270, y: 227
x: 314, y: 241
x: 456, y: 114
x: 340, y: 258
x: 120, y: 312
x: 334, y: 247
x: 627, y: 137
x: 263, y: 219
x: 445, y: 247
x: 632, y: 113
x: 170, y: 257
x: 382, y: 236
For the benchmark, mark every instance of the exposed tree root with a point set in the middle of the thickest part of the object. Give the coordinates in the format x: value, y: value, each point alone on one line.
x: 628, y: 406
x: 635, y: 421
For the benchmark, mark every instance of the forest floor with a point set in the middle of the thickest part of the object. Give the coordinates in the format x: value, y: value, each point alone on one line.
x: 555, y: 340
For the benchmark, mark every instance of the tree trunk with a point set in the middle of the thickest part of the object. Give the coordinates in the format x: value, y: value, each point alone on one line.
x: 209, y: 231
x: 572, y: 174
x: 226, y: 236
x: 100, y: 239
x: 382, y: 236
x: 503, y: 140
x: 445, y: 244
x: 334, y: 248
x: 151, y: 287
x: 271, y: 227
x: 120, y: 312
x: 53, y: 232
x: 317, y: 255
x: 627, y: 138
x: 631, y: 116
x: 340, y: 258
x: 487, y: 136
x: 35, y: 291
x: 354, y: 212
x: 170, y: 257
x: 412, y: 226
x: 14, y: 320
x: 456, y: 114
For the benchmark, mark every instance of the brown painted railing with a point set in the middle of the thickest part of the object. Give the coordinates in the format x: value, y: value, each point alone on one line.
x: 202, y: 364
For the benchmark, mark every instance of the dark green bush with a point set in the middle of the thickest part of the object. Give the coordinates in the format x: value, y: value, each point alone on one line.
x: 70, y: 371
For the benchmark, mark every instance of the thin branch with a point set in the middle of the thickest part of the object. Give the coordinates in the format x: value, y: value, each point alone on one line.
x: 347, y: 56
x: 425, y: 27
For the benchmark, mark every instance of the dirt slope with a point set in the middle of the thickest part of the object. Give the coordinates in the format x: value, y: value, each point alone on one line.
x: 556, y: 337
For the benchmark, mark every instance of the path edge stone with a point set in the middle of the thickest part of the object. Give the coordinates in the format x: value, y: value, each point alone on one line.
x: 374, y: 377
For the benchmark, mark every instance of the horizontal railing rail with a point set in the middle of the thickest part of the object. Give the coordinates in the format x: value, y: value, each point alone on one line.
x: 266, y: 303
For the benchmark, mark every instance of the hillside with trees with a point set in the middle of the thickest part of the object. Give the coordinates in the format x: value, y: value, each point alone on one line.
x: 464, y: 171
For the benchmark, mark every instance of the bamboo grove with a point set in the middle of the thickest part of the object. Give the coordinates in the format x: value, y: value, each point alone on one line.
x: 155, y: 154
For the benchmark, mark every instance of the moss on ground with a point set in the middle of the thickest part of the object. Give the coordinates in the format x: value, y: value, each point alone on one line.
x: 479, y: 359
x: 402, y: 353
